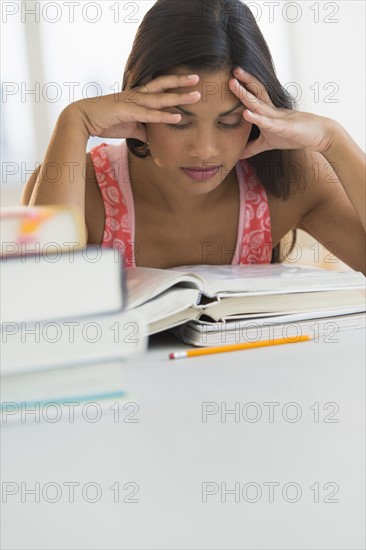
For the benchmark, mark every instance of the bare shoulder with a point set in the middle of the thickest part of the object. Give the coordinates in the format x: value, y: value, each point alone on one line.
x: 287, y: 213
x: 311, y: 179
x: 94, y: 206
x: 315, y: 177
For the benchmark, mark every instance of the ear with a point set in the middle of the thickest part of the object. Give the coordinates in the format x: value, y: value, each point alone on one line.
x: 254, y: 133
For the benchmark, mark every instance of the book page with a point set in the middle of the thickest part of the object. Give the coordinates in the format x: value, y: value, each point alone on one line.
x: 272, y: 278
x: 172, y: 307
x: 290, y: 302
x: 145, y: 283
x: 199, y: 333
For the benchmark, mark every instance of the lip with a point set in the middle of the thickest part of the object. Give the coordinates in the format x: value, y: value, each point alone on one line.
x: 200, y: 169
x: 199, y: 174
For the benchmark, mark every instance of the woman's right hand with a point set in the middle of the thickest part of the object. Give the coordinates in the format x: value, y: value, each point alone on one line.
x: 123, y: 114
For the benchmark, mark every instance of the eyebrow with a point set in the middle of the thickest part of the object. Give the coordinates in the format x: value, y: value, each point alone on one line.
x: 189, y: 113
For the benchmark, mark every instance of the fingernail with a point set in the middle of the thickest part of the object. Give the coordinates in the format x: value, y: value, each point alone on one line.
x: 192, y: 76
x: 194, y: 93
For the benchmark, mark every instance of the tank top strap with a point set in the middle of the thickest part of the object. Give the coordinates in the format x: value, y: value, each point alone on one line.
x: 112, y: 174
x: 255, y: 220
x: 254, y: 242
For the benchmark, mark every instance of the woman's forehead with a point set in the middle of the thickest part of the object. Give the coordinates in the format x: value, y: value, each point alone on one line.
x: 218, y: 74
x: 211, y: 83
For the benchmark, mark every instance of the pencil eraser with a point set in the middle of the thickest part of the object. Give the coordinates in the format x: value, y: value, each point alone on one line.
x: 171, y: 355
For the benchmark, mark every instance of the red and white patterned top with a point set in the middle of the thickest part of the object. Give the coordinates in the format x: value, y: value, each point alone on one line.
x: 254, y: 239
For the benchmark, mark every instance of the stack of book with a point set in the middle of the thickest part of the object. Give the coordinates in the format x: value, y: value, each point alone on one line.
x: 64, y: 324
x: 70, y: 313
x: 212, y: 305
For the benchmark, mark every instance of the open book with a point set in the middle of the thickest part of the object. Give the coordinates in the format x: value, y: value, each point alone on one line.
x: 171, y: 297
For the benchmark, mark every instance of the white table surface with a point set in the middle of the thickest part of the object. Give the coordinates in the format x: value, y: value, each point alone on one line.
x: 171, y: 456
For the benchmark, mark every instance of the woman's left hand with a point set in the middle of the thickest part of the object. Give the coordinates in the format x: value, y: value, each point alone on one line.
x: 279, y: 128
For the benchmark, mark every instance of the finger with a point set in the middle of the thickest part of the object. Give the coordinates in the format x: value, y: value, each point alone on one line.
x: 252, y: 84
x: 159, y: 99
x: 168, y: 82
x: 251, y: 101
x: 145, y: 114
x: 263, y: 122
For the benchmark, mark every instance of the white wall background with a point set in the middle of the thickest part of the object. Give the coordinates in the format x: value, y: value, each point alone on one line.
x: 59, y: 49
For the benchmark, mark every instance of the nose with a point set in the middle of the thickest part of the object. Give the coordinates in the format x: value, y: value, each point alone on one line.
x: 204, y: 145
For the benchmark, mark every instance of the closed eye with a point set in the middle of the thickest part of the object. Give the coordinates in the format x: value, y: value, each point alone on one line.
x: 238, y: 124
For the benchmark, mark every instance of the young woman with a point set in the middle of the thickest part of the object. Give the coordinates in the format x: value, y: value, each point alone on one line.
x: 215, y: 168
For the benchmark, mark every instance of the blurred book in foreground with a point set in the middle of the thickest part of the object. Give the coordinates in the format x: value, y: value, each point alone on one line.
x: 62, y: 393
x: 64, y: 328
x: 52, y: 286
x: 62, y: 308
x: 40, y: 229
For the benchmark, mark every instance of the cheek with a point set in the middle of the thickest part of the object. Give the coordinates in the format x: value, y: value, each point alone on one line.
x: 164, y: 148
x: 234, y: 141
x: 245, y: 133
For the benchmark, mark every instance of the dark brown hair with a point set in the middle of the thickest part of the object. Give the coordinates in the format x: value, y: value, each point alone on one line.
x: 209, y: 35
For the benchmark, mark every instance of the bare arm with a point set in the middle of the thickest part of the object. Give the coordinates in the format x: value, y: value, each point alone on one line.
x: 28, y: 188
x: 334, y: 212
x: 333, y: 206
x: 349, y: 163
x: 61, y: 177
x: 338, y: 215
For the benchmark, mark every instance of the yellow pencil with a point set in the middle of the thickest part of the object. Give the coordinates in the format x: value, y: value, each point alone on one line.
x: 236, y: 347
